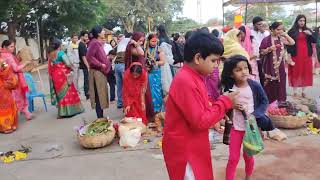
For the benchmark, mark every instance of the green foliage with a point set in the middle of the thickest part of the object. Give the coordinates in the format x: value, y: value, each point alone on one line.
x: 57, y: 16
x: 133, y: 14
x: 269, y: 12
x: 182, y: 25
x: 274, y: 12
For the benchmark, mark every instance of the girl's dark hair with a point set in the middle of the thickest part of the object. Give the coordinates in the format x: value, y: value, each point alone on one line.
x: 295, y: 28
x: 83, y: 33
x: 136, y: 69
x: 112, y: 40
x: 203, y: 43
x: 163, y: 37
x: 275, y: 25
x: 54, y: 44
x: 96, y: 30
x: 188, y: 34
x: 90, y: 35
x: 7, y: 43
x: 256, y: 19
x: 113, y: 52
x: 215, y: 32
x: 205, y: 29
x: 152, y: 35
x: 242, y: 29
x: 176, y: 36
x: 226, y: 77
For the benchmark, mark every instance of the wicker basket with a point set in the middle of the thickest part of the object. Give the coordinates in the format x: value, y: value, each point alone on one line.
x: 98, y: 141
x: 288, y: 122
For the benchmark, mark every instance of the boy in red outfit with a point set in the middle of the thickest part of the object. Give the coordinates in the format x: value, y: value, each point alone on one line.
x: 189, y: 114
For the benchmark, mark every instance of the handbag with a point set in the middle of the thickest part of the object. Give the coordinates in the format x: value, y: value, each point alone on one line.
x: 227, y: 130
x: 150, y: 64
x: 252, y: 141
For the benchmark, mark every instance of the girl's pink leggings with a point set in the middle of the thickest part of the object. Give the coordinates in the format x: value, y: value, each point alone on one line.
x: 236, y: 138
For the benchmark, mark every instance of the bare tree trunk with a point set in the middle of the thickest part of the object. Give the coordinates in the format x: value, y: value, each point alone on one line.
x: 41, y: 41
x: 26, y: 39
x: 46, y: 47
x: 128, y: 25
x: 12, y: 28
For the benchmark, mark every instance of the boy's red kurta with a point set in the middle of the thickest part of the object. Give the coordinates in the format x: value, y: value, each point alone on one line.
x: 189, y: 115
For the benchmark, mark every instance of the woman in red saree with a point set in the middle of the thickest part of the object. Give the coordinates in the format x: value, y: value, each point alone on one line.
x: 62, y: 90
x: 8, y: 108
x: 134, y: 91
x: 19, y: 94
x: 135, y: 53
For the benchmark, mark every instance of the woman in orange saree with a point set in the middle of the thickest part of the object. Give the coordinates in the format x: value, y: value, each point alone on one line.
x: 8, y: 108
x: 19, y: 94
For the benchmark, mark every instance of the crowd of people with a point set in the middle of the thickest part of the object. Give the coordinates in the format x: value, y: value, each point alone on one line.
x: 253, y: 70
x: 138, y: 72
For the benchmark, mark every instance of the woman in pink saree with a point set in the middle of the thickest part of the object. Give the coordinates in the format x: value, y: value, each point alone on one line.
x: 250, y: 45
x: 19, y: 94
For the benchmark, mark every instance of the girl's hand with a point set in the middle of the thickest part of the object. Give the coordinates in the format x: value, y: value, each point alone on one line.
x: 307, y: 32
x: 284, y: 34
x: 239, y: 107
x: 126, y: 110
x: 218, y: 128
x: 253, y: 57
x: 232, y: 96
x: 272, y: 48
x: 134, y: 43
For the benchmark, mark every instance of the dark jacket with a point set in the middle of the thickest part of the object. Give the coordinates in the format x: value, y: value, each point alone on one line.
x: 177, y: 52
x: 310, y: 39
x: 261, y: 104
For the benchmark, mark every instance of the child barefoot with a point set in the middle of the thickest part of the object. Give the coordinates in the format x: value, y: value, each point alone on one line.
x: 252, y: 100
x: 189, y: 114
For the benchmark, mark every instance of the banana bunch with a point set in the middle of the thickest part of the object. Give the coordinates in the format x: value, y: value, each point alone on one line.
x: 10, y: 156
x: 312, y: 129
x: 312, y: 116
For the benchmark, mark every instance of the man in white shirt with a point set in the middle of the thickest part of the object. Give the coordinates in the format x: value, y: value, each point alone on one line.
x: 258, y: 32
x: 73, y: 55
x: 107, y: 47
x: 119, y: 66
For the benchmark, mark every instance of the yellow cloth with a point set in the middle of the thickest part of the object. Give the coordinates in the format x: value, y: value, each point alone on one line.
x: 232, y: 45
x: 74, y: 46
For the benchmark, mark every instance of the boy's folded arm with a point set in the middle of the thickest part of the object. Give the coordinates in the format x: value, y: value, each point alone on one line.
x: 202, y: 117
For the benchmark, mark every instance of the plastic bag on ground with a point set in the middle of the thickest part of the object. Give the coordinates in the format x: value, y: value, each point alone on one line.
x: 130, y: 131
x: 277, y: 135
x: 129, y: 137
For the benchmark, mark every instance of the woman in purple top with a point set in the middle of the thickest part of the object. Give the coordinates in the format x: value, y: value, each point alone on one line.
x: 212, y: 82
x: 272, y: 53
x: 99, y: 68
